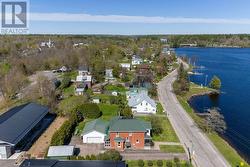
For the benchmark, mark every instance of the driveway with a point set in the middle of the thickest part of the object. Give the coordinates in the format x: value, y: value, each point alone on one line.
x: 204, y: 153
x: 86, y: 149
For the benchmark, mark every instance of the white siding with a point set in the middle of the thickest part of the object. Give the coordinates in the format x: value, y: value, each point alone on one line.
x: 93, y: 137
x: 144, y: 107
x: 5, y: 152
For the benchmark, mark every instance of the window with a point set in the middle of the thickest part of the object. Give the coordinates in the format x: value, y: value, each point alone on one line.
x: 137, y: 141
x: 130, y: 134
x: 146, y: 104
x: 119, y: 144
x: 117, y: 134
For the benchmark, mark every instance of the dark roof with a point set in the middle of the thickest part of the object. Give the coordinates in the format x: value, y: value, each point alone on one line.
x: 57, y: 163
x: 18, y: 121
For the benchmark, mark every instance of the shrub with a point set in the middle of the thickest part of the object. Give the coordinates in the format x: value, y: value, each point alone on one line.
x: 156, y: 125
x: 93, y: 157
x: 88, y: 157
x: 140, y: 163
x: 65, y: 82
x: 90, y: 110
x: 109, y: 155
x: 159, y: 163
x: 150, y: 163
x: 169, y: 164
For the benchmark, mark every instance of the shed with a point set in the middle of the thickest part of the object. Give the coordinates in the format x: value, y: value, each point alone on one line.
x: 60, y: 152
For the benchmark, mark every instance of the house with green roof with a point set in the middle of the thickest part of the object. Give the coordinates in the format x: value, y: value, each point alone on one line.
x: 119, y: 133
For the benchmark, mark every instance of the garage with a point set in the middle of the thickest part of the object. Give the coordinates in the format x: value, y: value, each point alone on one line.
x: 94, y: 140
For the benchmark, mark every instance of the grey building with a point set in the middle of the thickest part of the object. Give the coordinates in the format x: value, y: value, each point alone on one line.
x: 16, y: 126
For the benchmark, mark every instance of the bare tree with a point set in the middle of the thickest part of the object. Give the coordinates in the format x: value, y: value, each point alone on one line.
x: 215, y: 121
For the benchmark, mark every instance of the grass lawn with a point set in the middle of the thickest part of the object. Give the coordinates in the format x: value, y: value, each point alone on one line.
x: 225, y: 149
x: 108, y: 110
x: 172, y: 149
x: 69, y: 91
x: 66, y: 105
x: 118, y: 88
x: 134, y: 163
x: 159, y: 109
x: 168, y: 134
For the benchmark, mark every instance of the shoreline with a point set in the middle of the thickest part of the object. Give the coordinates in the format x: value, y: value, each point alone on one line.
x: 224, y: 138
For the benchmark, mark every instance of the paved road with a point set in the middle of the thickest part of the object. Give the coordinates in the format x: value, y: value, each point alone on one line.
x: 203, y: 151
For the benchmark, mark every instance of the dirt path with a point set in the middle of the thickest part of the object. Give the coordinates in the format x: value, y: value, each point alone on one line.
x: 40, y: 147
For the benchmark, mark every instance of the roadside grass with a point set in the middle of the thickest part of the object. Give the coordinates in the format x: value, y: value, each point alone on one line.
x: 168, y: 134
x: 134, y: 163
x: 172, y: 149
x: 108, y: 111
x: 225, y: 149
x: 159, y: 109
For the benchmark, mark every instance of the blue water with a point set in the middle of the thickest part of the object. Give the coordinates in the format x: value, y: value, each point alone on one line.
x: 232, y: 66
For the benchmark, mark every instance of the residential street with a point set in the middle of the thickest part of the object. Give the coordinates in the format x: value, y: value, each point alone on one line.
x: 204, y: 152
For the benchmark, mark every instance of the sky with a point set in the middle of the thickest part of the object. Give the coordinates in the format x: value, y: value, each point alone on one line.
x: 138, y: 17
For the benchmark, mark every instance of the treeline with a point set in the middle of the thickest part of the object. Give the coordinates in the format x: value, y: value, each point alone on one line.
x: 224, y: 40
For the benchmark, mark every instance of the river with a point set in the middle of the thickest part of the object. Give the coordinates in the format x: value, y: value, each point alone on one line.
x: 232, y: 66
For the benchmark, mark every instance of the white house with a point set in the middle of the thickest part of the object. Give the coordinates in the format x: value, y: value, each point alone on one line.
x: 142, y: 103
x: 95, y: 131
x: 126, y: 65
x: 48, y: 44
x: 136, y: 60
x: 83, y: 81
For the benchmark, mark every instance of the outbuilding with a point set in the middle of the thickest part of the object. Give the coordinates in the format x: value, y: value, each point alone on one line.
x: 18, y: 125
x: 95, y: 131
x: 60, y: 152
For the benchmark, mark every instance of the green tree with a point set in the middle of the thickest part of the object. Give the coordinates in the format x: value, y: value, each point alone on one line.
x: 150, y: 163
x: 215, y: 83
x: 127, y: 112
x: 65, y: 82
x: 90, y: 110
x: 159, y: 163
x: 156, y: 125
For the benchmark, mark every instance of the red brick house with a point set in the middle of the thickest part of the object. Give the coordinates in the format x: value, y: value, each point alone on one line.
x: 128, y: 134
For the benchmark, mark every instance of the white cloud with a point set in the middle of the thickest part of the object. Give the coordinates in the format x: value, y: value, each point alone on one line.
x: 68, y: 17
